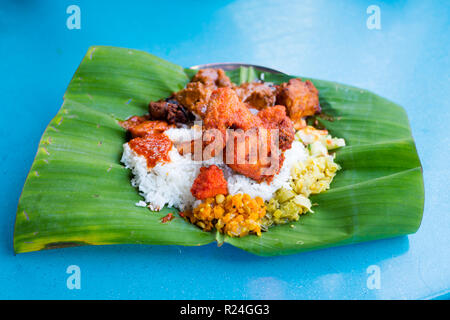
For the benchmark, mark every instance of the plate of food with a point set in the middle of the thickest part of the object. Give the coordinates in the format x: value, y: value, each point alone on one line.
x: 144, y: 151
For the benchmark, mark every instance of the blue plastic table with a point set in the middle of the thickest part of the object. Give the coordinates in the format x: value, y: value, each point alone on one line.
x: 407, y: 61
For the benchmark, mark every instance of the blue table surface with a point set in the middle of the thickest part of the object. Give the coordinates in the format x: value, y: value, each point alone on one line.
x: 406, y: 61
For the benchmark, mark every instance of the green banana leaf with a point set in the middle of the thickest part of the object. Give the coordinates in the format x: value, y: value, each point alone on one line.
x: 78, y: 192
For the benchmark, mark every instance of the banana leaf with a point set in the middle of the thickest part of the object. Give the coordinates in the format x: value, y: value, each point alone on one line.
x: 78, y: 193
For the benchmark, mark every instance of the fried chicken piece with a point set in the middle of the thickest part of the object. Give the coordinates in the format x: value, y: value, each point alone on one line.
x: 133, y: 121
x: 209, y: 183
x: 171, y: 111
x: 259, y: 161
x: 300, y: 98
x: 194, y: 97
x: 225, y: 110
x: 257, y: 94
x: 276, y: 118
x: 214, y: 78
x: 146, y: 128
x: 197, y: 92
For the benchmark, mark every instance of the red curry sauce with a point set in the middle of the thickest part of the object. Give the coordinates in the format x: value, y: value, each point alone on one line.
x: 154, y: 147
x: 209, y: 183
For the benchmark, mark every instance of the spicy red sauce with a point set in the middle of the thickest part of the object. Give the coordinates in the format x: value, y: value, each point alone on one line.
x: 154, y: 147
x: 209, y: 183
x: 167, y: 218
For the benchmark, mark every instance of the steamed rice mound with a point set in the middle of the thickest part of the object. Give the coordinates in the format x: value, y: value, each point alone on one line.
x: 170, y: 183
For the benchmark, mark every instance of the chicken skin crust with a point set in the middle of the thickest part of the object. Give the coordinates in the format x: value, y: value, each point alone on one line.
x: 275, y: 118
x: 225, y: 111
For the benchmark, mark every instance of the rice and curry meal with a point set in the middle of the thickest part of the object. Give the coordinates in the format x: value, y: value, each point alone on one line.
x: 236, y: 159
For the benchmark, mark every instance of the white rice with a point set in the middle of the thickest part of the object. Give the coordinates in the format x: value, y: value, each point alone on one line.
x: 141, y: 203
x: 170, y: 183
x: 183, y: 134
